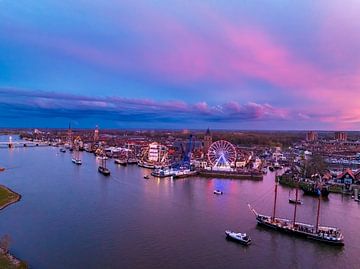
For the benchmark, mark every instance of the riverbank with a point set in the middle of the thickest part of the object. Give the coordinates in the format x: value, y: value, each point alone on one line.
x: 8, y: 261
x: 8, y: 197
x: 287, y: 180
x: 231, y: 175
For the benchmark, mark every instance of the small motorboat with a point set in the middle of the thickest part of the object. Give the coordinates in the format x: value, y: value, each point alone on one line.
x: 241, y: 238
x: 62, y: 150
x: 103, y: 170
x: 146, y: 176
x: 218, y: 192
x: 76, y: 161
x: 294, y: 201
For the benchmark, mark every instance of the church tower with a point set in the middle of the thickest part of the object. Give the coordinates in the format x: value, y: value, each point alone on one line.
x: 207, y: 141
x: 96, y: 134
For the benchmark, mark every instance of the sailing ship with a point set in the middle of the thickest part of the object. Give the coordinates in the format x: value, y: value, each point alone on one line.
x: 329, y: 235
x: 102, y: 168
x: 76, y: 158
x: 295, y: 200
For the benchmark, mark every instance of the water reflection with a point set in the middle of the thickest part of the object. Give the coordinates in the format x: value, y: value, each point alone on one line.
x: 66, y: 210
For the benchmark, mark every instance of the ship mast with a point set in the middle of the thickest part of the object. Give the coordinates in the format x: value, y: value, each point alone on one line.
x: 104, y: 162
x: 318, y: 214
x: 275, y: 197
x: 296, y: 202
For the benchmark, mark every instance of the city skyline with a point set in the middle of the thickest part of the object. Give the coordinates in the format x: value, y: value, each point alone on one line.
x: 142, y: 64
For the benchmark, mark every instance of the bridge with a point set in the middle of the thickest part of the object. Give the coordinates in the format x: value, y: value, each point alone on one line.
x: 17, y: 144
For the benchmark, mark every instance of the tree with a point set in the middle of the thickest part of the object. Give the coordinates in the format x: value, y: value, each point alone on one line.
x: 315, y: 165
x: 5, y: 241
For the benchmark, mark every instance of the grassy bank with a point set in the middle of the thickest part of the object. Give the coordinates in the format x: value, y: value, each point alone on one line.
x: 7, y: 197
x: 7, y: 261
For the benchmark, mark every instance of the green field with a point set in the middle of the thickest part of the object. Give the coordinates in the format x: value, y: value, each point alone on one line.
x: 7, y: 196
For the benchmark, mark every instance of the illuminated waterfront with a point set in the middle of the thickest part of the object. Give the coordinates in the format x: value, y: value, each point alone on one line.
x: 73, y: 217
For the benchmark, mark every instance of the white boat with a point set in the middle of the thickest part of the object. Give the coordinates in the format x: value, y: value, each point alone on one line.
x: 184, y: 173
x: 218, y: 192
x: 242, y: 238
x: 146, y: 165
x: 121, y: 162
x: 161, y: 173
x: 76, y: 161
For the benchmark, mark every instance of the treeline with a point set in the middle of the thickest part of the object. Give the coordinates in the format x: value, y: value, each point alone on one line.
x: 272, y: 139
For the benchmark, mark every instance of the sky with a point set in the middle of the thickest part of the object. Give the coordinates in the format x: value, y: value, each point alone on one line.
x: 184, y: 64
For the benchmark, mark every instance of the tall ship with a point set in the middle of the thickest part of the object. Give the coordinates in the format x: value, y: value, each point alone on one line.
x: 325, y: 234
x: 76, y: 155
x: 102, y: 168
x: 76, y: 158
x: 154, y: 156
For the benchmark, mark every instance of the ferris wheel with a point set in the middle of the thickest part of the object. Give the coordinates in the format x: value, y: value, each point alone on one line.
x: 222, y: 154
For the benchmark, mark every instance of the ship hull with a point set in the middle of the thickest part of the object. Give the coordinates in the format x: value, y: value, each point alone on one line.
x: 104, y: 171
x: 299, y: 233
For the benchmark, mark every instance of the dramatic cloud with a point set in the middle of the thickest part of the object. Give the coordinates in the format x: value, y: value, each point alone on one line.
x: 234, y: 64
x: 22, y: 103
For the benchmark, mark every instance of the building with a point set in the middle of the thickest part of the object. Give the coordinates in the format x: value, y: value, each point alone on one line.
x: 207, y: 140
x: 69, y: 135
x: 311, y: 136
x: 96, y: 134
x: 340, y: 136
x: 346, y: 177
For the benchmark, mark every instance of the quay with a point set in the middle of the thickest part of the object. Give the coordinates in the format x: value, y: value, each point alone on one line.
x: 231, y: 175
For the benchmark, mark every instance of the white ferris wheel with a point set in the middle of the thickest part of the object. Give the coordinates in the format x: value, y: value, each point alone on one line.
x: 222, y: 154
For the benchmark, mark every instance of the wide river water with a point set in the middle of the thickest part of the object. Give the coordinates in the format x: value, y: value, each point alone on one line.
x: 73, y: 217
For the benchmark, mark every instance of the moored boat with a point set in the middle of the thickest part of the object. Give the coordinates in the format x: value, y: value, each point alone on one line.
x: 241, y: 238
x: 315, y: 189
x: 161, y: 173
x: 132, y: 161
x: 184, y: 173
x: 146, y: 165
x: 121, y: 162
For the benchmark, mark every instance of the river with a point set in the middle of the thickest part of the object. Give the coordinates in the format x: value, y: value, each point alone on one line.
x: 73, y: 217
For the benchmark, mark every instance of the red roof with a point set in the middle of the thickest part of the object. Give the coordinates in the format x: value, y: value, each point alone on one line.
x: 345, y: 172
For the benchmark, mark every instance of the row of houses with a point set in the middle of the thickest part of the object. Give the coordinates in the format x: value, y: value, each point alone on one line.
x: 348, y: 177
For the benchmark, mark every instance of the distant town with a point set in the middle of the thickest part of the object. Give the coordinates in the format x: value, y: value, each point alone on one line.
x: 228, y: 154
